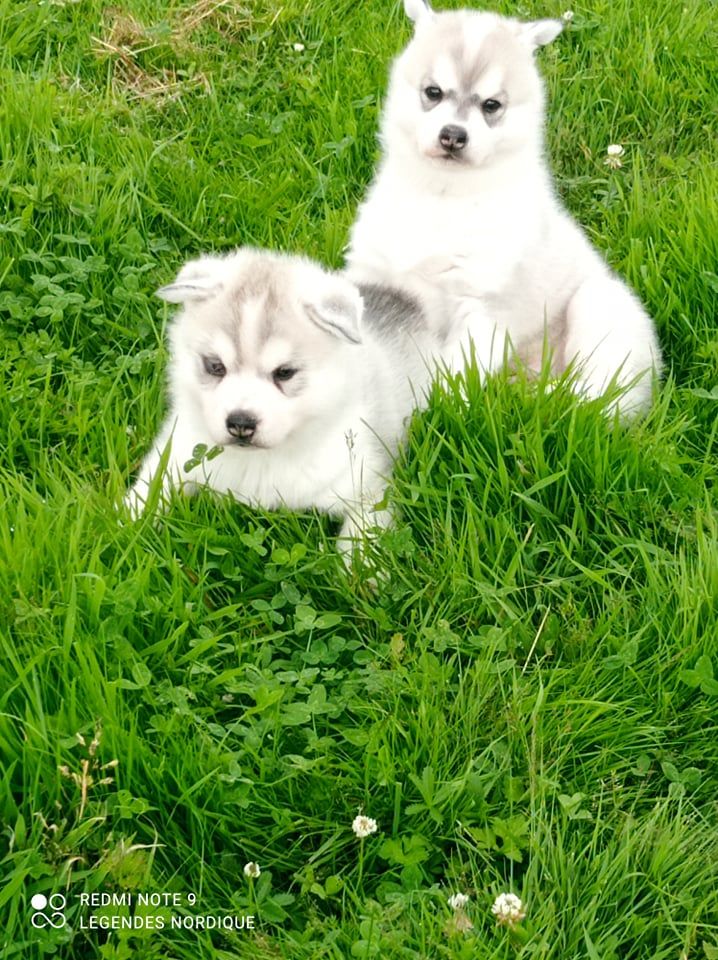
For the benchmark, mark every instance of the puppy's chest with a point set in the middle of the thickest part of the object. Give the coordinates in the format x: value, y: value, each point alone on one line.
x: 322, y: 476
x: 438, y: 236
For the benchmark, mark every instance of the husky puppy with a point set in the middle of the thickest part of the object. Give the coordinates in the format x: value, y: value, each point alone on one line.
x: 303, y: 381
x: 463, y: 205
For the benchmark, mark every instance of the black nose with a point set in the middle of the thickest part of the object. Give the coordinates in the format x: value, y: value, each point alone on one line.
x: 453, y: 138
x: 241, y: 424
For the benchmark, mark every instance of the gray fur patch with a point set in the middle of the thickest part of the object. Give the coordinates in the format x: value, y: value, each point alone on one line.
x: 261, y: 286
x: 260, y: 281
x: 470, y: 64
x: 388, y: 310
x: 499, y: 48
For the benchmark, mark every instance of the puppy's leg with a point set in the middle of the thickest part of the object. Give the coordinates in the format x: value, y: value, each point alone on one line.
x: 163, y: 465
x: 139, y: 495
x: 610, y: 336
x: 476, y: 340
x: 485, y: 340
x: 361, y: 523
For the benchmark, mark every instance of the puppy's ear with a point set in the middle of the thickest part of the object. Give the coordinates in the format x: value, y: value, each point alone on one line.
x: 338, y: 311
x: 197, y: 280
x: 416, y: 10
x: 538, y: 33
x: 192, y: 290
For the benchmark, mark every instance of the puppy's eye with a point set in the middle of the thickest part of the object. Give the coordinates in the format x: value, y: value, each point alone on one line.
x: 282, y: 374
x: 491, y: 106
x: 433, y: 93
x: 214, y: 366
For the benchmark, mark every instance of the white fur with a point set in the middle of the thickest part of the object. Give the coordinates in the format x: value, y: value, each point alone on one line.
x: 324, y: 439
x: 485, y: 232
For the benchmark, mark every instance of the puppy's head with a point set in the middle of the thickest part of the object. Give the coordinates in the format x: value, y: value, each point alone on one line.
x: 466, y: 91
x: 260, y: 346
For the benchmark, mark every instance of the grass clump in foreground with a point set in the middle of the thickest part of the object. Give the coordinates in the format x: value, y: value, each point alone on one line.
x: 525, y: 703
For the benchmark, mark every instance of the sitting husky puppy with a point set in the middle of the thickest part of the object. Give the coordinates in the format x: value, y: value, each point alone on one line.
x: 303, y: 380
x: 463, y: 205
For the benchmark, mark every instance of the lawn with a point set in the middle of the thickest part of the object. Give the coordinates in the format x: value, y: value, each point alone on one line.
x: 526, y: 699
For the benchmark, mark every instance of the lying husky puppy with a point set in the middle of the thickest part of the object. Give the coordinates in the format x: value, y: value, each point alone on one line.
x: 463, y: 204
x: 303, y: 380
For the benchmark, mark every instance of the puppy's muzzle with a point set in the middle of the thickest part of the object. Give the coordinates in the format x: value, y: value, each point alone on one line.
x: 242, y: 426
x: 453, y: 138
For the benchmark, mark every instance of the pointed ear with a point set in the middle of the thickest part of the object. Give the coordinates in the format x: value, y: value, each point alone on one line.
x: 194, y: 290
x: 538, y: 33
x: 339, y: 312
x: 416, y: 10
x: 197, y: 280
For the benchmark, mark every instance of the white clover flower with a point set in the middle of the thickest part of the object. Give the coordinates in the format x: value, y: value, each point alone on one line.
x: 252, y: 870
x: 567, y: 16
x: 298, y: 47
x: 614, y: 152
x: 508, y: 909
x: 364, y: 826
x: 458, y: 901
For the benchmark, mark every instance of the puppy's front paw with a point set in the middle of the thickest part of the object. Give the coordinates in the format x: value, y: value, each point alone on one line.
x: 355, y: 543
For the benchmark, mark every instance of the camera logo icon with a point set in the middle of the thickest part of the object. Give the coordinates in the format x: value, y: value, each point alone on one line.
x: 48, y: 911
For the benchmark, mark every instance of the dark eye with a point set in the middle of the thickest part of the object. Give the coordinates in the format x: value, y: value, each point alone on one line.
x: 282, y: 374
x: 491, y: 106
x: 214, y: 366
x: 433, y: 93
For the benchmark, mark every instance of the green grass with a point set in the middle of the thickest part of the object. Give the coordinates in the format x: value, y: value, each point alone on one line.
x: 526, y: 702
